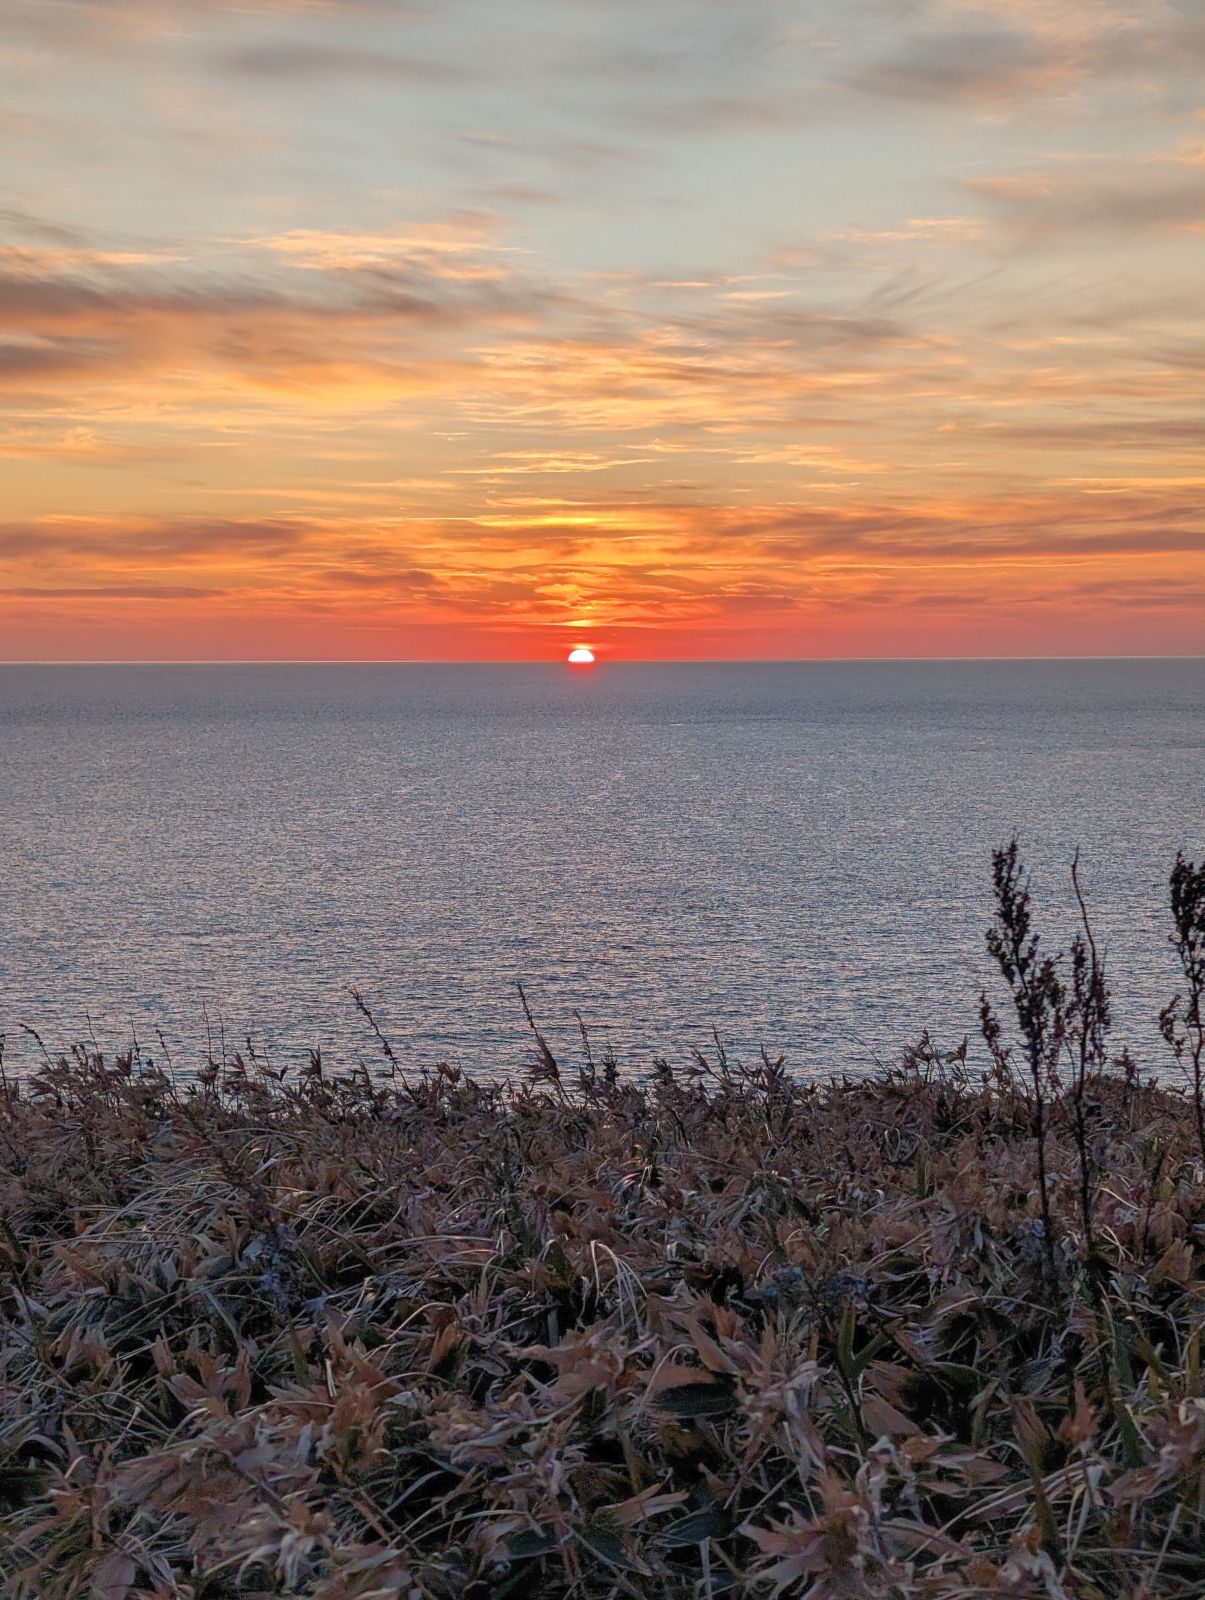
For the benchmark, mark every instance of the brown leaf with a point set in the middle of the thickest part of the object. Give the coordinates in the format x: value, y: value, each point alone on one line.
x: 114, y: 1576
x: 880, y: 1416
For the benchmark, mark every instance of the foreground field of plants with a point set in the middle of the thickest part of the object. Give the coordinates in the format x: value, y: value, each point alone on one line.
x: 936, y: 1333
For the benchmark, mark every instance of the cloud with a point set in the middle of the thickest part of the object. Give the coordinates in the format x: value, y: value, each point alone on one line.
x: 1045, y: 48
x: 981, y: 68
x: 404, y: 580
x: 691, y: 572
x: 69, y: 446
x: 298, y: 61
x: 1165, y: 437
x: 372, y: 315
x: 35, y: 296
x: 465, y: 248
x: 113, y: 591
x: 26, y: 365
x: 1163, y: 193
x: 46, y: 16
x: 30, y: 225
x: 939, y: 231
x: 133, y: 541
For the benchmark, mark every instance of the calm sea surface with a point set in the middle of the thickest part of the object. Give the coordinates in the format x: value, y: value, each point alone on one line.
x: 795, y: 854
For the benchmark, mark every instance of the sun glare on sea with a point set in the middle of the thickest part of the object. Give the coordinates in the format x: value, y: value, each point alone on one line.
x: 581, y: 657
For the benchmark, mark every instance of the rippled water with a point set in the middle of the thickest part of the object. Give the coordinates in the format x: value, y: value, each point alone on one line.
x: 797, y: 854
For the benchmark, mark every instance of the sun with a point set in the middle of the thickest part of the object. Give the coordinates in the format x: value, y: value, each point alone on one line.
x: 581, y: 657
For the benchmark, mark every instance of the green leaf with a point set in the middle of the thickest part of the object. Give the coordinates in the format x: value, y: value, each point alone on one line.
x: 698, y: 1399
x: 1121, y: 1356
x: 868, y: 1352
x: 1130, y: 1436
x: 845, y: 1339
x: 712, y: 1522
x: 605, y: 1541
x: 958, y: 1376
x: 531, y: 1542
x: 1047, y: 1522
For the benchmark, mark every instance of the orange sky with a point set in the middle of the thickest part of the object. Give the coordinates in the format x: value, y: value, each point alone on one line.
x: 674, y: 329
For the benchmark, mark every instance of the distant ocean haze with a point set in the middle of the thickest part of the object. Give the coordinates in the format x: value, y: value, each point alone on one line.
x: 794, y: 854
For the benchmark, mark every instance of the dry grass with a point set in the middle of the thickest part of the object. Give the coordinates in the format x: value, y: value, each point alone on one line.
x: 932, y: 1334
x: 725, y: 1335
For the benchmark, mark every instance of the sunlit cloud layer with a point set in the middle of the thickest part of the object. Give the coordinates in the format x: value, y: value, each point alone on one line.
x: 388, y: 329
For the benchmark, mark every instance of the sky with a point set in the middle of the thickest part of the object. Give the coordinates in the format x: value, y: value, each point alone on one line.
x: 480, y: 329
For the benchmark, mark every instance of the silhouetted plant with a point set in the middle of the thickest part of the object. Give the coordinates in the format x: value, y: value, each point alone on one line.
x: 1183, y: 1021
x: 1039, y: 998
x: 1088, y: 1020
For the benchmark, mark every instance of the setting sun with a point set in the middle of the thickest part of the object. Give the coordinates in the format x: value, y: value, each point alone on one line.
x: 581, y: 657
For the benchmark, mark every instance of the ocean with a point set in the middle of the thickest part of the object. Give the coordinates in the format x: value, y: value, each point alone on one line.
x: 796, y: 855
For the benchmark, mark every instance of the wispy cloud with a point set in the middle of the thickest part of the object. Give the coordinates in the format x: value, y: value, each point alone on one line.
x: 1161, y: 192
x: 988, y: 68
x: 299, y: 61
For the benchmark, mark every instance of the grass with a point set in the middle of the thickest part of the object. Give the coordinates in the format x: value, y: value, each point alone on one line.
x: 936, y: 1333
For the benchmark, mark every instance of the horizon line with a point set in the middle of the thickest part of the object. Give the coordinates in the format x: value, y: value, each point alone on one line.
x: 544, y: 661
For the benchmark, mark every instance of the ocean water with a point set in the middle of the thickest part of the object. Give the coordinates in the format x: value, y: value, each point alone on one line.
x: 797, y: 855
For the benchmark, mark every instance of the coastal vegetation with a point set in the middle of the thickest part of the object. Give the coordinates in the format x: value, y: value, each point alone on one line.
x: 358, y: 1334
